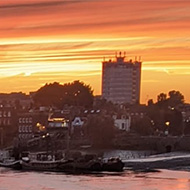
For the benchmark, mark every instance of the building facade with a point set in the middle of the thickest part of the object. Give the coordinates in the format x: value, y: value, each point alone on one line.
x: 8, y: 124
x: 121, y: 80
x: 122, y: 122
x: 29, y: 123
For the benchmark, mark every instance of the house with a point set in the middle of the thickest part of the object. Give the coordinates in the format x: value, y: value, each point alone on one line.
x: 52, y: 135
x: 17, y: 100
x: 29, y: 123
x: 57, y: 123
x: 76, y: 125
x: 8, y: 124
x: 122, y: 122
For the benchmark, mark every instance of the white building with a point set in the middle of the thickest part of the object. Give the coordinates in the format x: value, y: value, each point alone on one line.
x: 122, y: 122
x: 76, y: 124
x: 121, y: 80
x: 58, y: 123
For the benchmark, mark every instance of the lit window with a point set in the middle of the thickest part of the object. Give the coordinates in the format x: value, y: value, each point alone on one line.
x: 9, y: 114
x: 30, y: 128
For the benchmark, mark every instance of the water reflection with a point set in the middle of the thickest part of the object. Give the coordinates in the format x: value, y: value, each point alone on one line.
x: 163, y: 180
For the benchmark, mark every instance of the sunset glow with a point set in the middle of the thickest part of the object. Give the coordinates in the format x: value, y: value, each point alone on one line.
x: 43, y: 41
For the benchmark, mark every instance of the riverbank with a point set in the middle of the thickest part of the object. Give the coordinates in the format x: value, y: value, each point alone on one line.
x: 148, y: 160
x: 159, y: 144
x: 172, y: 161
x: 143, y: 160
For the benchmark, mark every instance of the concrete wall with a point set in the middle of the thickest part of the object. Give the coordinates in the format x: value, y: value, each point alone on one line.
x: 160, y: 144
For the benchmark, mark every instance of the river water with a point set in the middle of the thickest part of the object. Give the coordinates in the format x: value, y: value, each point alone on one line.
x: 127, y: 180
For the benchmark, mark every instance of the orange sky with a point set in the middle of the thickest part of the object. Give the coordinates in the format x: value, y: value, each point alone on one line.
x: 64, y: 40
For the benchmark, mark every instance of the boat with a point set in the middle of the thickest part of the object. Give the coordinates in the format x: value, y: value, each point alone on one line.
x: 46, y: 162
x: 37, y: 165
x: 11, y: 163
x: 89, y: 163
x: 40, y: 161
x: 83, y: 163
x: 113, y: 165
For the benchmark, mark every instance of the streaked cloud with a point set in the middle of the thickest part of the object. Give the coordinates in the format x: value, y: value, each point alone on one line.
x: 35, y: 4
x: 63, y: 40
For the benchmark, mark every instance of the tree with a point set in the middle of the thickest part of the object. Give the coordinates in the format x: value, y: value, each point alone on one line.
x: 186, y: 127
x: 175, y: 98
x: 164, y: 112
x: 161, y: 97
x: 100, y: 130
x: 103, y: 104
x: 162, y: 100
x: 143, y: 126
x: 78, y: 94
x: 49, y: 95
x: 150, y: 102
x: 55, y: 94
x: 174, y: 119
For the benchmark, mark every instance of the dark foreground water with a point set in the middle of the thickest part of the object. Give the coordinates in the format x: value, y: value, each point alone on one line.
x: 128, y: 180
x: 175, y: 177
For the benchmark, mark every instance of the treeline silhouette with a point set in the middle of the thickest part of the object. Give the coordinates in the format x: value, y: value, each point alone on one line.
x: 55, y: 94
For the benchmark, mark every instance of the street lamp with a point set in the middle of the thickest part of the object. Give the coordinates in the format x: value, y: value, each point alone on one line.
x: 167, y: 123
x: 40, y: 127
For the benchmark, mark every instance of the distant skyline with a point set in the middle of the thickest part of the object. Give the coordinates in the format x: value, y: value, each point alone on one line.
x: 43, y: 41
